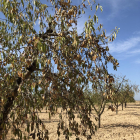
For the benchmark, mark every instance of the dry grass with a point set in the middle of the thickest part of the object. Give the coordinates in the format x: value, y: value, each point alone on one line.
x: 124, y: 126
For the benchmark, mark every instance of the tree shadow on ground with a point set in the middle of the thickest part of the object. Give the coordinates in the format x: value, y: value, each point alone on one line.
x: 132, y: 113
x: 135, y: 127
x: 50, y: 121
x: 133, y: 107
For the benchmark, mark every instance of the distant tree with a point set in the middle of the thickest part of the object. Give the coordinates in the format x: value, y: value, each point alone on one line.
x: 79, y: 59
x: 116, y: 91
x: 122, y: 92
x: 99, y: 96
x: 128, y: 93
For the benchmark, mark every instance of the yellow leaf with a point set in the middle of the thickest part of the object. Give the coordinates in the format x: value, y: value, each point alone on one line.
x: 96, y: 7
x: 94, y: 57
x: 57, y: 19
x: 115, y: 35
x: 49, y: 61
x: 20, y: 74
x: 69, y: 24
x: 39, y: 81
x: 78, y: 55
x: 29, y: 42
x: 35, y: 43
x: 91, y: 52
x: 34, y: 84
x: 19, y: 90
x: 59, y: 10
x: 28, y: 62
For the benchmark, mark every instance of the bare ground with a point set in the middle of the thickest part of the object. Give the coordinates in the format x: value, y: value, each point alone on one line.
x: 124, y: 126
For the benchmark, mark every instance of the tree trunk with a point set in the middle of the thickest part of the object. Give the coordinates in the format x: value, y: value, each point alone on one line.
x: 99, y: 121
x: 7, y: 108
x: 122, y: 106
x: 9, y: 104
x: 125, y: 104
x: 117, y: 108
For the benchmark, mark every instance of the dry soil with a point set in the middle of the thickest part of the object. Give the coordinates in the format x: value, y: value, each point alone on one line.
x: 123, y: 126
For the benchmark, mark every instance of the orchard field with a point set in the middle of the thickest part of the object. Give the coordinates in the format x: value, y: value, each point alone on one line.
x: 123, y: 126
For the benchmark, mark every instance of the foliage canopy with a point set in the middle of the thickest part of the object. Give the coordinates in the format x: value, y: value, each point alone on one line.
x: 79, y: 59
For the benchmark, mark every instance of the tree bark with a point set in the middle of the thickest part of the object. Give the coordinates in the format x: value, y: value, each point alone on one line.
x: 99, y: 121
x: 122, y: 106
x: 117, y: 108
x: 7, y: 108
x: 125, y: 104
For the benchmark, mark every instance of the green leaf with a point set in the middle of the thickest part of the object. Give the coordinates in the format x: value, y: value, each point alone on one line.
x: 95, y: 18
x: 37, y: 64
x: 93, y: 28
x: 112, y: 37
x: 44, y: 6
x: 115, y: 35
x: 22, y: 3
x: 101, y: 26
x: 44, y: 48
x: 114, y: 67
x: 79, y: 12
x: 96, y: 7
x: 28, y: 125
x: 101, y: 8
x: 83, y: 12
x: 36, y: 88
x: 86, y: 24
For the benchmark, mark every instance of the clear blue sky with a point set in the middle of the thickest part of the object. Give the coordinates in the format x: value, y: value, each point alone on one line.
x: 125, y: 48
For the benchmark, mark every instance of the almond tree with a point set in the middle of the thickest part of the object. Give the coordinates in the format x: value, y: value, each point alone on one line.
x: 79, y: 58
x: 116, y: 88
x: 120, y: 93
x: 99, y: 96
x: 127, y: 93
